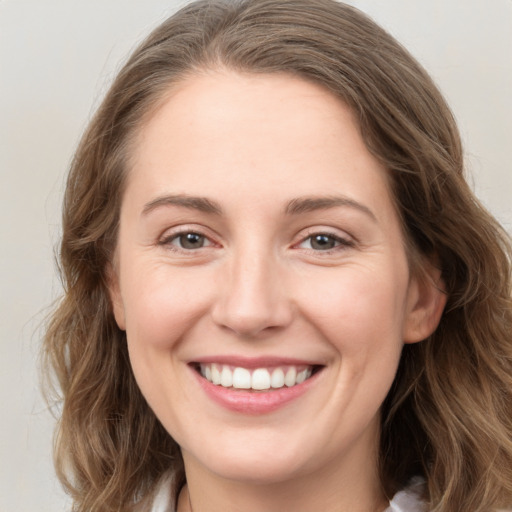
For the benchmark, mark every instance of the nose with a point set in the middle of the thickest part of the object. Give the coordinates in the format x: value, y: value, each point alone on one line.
x: 252, y: 298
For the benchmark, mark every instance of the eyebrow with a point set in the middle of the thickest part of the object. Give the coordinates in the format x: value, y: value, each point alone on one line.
x: 195, y: 203
x: 294, y: 207
x: 310, y: 204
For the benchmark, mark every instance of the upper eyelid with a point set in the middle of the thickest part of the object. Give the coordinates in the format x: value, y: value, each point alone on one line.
x: 305, y: 233
x: 321, y: 230
x: 181, y: 229
x: 341, y: 241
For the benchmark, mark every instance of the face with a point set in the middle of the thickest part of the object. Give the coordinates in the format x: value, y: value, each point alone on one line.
x: 261, y: 278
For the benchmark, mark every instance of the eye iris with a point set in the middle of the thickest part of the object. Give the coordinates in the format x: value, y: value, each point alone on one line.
x: 191, y: 241
x: 322, y: 242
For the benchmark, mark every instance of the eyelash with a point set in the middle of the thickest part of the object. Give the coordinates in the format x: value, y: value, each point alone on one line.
x: 340, y: 243
x: 168, y: 240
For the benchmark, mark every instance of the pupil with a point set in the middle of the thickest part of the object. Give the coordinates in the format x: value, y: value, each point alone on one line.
x: 191, y: 241
x: 322, y: 242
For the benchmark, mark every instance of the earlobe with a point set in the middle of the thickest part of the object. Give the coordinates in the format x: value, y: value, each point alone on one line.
x: 114, y: 292
x: 426, y: 302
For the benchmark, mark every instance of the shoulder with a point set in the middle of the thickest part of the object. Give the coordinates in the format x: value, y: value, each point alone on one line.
x: 409, y: 499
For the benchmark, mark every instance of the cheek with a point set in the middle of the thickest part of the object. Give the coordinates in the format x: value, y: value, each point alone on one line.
x: 163, y: 303
x: 358, y: 309
x: 361, y: 317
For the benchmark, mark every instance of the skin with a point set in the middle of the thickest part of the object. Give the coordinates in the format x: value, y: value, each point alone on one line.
x: 256, y: 284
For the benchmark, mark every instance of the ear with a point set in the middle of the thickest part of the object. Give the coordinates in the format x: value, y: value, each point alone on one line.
x: 114, y: 292
x: 426, y: 299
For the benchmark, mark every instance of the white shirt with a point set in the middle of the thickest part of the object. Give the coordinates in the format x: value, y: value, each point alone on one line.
x: 408, y: 500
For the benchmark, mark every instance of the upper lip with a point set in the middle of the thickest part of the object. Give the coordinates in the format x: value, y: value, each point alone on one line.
x: 255, y: 362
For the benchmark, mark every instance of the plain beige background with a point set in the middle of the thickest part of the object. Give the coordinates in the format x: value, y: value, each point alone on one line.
x: 56, y: 60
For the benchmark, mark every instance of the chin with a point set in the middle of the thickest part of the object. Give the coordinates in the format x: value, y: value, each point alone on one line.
x: 250, y: 460
x: 256, y: 471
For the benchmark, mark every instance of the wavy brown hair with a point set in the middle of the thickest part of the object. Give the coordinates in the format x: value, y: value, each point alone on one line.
x: 448, y: 415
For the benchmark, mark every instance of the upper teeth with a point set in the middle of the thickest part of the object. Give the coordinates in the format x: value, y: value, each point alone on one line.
x: 260, y: 378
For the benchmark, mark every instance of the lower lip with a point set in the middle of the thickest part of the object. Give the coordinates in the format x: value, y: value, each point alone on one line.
x: 254, y: 402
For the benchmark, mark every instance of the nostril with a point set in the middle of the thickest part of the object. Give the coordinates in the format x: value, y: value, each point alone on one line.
x: 248, y: 323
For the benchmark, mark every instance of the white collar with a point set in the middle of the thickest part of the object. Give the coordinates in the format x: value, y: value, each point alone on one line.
x: 409, y: 499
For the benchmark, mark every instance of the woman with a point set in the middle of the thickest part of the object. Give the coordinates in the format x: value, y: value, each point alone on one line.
x: 280, y: 293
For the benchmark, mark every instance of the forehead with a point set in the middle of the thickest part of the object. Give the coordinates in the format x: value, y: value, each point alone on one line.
x: 222, y: 132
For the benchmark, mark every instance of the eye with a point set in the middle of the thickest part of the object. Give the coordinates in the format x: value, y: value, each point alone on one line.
x: 323, y: 242
x: 187, y: 241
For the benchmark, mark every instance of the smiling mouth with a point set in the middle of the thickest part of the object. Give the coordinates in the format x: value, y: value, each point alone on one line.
x: 257, y: 379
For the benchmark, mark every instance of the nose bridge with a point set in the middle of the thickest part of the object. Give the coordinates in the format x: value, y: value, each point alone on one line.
x: 252, y: 298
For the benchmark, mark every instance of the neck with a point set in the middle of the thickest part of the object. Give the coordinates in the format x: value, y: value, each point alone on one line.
x: 340, y: 486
